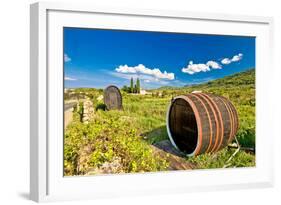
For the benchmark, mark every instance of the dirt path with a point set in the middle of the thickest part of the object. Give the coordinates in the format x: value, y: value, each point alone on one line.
x: 176, y: 159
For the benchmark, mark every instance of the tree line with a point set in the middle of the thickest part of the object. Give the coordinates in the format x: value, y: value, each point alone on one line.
x: 133, y: 88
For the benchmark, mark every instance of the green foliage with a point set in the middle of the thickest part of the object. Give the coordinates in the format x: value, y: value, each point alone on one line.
x: 132, y: 86
x: 123, y: 137
x: 104, y: 140
x: 164, y: 93
x: 126, y: 89
x: 100, y: 106
x: 219, y: 159
x: 138, y: 86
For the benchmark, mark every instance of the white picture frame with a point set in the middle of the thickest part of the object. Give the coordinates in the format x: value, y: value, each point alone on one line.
x: 46, y: 89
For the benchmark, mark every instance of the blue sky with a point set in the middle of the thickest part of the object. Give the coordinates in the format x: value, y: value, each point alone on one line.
x: 97, y: 58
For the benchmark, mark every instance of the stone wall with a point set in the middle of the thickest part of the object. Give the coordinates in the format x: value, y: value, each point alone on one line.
x: 68, y: 116
x: 88, y: 111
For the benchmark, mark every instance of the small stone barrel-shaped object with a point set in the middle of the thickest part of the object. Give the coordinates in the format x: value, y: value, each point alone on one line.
x: 112, y: 98
x: 200, y: 123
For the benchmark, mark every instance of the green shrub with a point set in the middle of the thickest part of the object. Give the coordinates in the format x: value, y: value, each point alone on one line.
x: 122, y: 138
x: 109, y: 139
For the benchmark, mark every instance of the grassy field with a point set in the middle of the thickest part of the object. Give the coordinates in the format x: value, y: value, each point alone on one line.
x: 119, y: 141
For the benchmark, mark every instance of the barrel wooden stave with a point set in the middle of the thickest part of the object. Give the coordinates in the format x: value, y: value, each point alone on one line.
x: 112, y: 98
x: 205, y: 125
x: 213, y: 121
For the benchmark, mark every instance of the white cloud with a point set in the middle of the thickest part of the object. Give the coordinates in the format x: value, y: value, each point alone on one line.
x: 195, y: 68
x: 235, y: 58
x: 201, y: 67
x: 141, y: 69
x: 226, y: 61
x: 192, y: 68
x: 213, y: 65
x: 66, y: 58
x: 69, y: 78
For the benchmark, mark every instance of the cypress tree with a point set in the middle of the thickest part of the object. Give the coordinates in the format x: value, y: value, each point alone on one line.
x: 138, y: 85
x: 132, y: 86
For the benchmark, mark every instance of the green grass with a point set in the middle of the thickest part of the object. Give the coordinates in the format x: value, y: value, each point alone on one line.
x: 124, y: 136
x: 110, y: 139
x: 219, y: 159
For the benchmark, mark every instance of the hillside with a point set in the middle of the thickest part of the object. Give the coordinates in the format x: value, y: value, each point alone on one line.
x: 122, y: 140
x: 238, y: 79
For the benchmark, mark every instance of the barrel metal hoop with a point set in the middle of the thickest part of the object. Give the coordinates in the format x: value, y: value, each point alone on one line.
x: 221, y: 140
x: 216, y: 120
x: 220, y: 120
x: 168, y: 126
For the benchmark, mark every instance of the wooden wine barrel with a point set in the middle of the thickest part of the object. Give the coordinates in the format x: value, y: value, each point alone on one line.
x: 200, y: 123
x: 112, y: 98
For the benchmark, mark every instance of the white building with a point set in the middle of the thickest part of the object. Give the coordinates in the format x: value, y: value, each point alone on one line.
x: 143, y: 92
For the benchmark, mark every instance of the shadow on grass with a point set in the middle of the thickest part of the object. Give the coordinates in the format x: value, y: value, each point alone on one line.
x: 100, y: 106
x: 159, y: 139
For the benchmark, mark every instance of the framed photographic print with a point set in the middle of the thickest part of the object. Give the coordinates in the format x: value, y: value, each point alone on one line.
x: 123, y: 98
